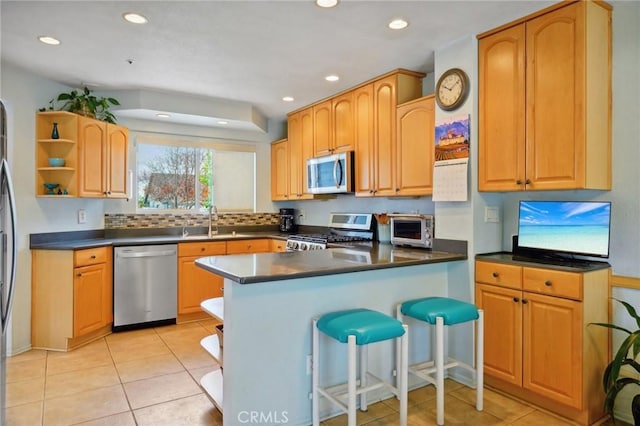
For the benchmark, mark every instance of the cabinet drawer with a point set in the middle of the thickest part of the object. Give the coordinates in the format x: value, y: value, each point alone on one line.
x: 90, y: 256
x: 202, y: 249
x: 499, y: 274
x: 553, y: 283
x: 248, y: 246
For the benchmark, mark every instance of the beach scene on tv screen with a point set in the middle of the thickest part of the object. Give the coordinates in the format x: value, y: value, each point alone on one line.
x: 576, y: 227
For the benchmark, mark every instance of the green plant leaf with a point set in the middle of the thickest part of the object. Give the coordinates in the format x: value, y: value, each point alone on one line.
x: 631, y: 310
x: 602, y: 324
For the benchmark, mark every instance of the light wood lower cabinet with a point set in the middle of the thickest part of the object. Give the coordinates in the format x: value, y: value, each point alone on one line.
x: 278, y: 245
x: 195, y: 284
x: 72, y: 297
x: 538, y: 345
x: 248, y: 246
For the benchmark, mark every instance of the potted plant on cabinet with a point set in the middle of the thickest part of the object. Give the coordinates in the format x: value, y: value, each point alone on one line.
x: 84, y: 102
x: 626, y: 355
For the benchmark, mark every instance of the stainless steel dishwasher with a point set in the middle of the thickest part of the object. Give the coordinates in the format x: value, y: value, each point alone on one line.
x: 145, y: 286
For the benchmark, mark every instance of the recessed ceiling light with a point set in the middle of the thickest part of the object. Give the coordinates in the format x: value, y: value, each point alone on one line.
x: 163, y: 115
x: 135, y: 18
x: 332, y: 78
x: 49, y: 40
x: 288, y: 99
x: 398, y: 24
x: 223, y: 122
x: 326, y: 3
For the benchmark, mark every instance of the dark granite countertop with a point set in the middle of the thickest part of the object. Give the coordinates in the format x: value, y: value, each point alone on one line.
x: 570, y: 265
x: 256, y: 268
x: 83, y: 240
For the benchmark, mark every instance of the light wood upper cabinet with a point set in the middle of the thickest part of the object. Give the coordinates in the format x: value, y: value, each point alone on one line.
x: 415, y: 147
x: 537, y: 342
x: 376, y: 139
x: 545, y: 102
x: 280, y: 170
x: 102, y: 154
x: 300, y: 139
x: 333, y: 125
x: 117, y: 165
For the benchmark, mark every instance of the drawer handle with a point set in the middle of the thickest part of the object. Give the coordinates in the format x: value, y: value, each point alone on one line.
x: 547, y: 283
x: 495, y: 275
x: 525, y: 301
x: 201, y: 248
x: 515, y: 299
x: 79, y: 274
x: 93, y: 256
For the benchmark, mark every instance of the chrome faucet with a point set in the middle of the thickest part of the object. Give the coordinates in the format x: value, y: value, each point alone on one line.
x: 213, y: 216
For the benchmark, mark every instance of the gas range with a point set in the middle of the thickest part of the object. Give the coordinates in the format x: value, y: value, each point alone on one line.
x: 343, y: 228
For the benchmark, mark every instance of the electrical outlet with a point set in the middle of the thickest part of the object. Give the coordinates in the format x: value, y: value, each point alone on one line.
x: 492, y: 214
x: 82, y: 216
x: 309, y: 364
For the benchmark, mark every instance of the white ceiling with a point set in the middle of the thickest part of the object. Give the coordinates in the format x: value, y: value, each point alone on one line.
x: 246, y: 53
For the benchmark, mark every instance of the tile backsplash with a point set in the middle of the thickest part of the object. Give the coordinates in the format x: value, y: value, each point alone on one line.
x: 169, y: 220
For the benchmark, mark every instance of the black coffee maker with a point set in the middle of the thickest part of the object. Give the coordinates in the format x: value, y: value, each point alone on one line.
x: 288, y: 220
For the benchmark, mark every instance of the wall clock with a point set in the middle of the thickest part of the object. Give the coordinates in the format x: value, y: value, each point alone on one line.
x: 452, y: 89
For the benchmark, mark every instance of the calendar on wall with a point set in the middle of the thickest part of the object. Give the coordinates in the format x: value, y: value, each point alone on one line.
x: 452, y: 159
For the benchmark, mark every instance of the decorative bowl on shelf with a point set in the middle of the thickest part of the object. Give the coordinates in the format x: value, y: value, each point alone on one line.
x: 56, y: 162
x: 51, y: 187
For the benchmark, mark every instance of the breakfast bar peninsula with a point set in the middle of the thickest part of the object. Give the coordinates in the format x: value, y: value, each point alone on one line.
x: 270, y: 300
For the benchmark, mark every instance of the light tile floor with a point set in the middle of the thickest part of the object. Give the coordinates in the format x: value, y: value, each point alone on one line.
x: 151, y: 376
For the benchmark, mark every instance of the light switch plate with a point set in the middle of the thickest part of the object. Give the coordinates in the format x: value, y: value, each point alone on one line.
x: 492, y: 214
x: 82, y: 216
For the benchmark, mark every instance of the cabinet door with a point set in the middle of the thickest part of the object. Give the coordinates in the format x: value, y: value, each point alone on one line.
x: 322, y: 129
x: 300, y: 139
x: 501, y: 145
x: 385, y: 102
x: 364, y: 140
x: 502, y: 332
x: 92, y: 306
x: 343, y: 127
x: 91, y: 157
x: 279, y: 170
x: 248, y: 246
x: 415, y: 147
x: 552, y: 355
x: 195, y: 285
x: 117, y: 167
x: 555, y: 64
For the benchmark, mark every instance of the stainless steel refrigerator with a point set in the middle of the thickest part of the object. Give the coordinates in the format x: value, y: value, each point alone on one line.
x: 7, y: 254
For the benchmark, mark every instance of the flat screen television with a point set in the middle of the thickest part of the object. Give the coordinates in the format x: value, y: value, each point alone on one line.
x: 564, y: 228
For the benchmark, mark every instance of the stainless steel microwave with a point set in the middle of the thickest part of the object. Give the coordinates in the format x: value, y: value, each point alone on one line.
x: 330, y: 174
x: 414, y: 230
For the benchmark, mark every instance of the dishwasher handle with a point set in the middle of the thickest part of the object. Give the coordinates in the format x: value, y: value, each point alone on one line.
x: 147, y: 254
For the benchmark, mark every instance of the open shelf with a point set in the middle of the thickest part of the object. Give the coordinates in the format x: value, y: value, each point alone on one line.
x: 212, y: 346
x: 71, y: 141
x: 212, y: 385
x: 214, y: 307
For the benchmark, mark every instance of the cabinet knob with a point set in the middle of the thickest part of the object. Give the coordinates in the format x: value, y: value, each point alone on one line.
x: 93, y: 256
x: 547, y: 283
x: 518, y: 182
x: 525, y: 301
x: 495, y: 275
x: 371, y: 191
x: 516, y: 299
x: 79, y: 274
x: 527, y: 182
x: 201, y: 248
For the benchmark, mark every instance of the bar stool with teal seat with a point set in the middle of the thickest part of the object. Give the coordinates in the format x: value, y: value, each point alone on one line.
x: 359, y: 328
x: 441, y: 311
